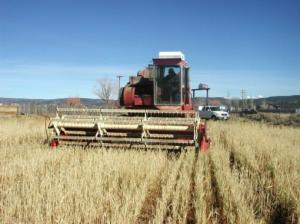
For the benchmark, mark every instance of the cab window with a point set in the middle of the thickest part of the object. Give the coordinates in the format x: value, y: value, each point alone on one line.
x: 167, y: 91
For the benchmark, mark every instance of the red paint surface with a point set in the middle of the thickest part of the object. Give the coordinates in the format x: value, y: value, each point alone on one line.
x: 129, y: 96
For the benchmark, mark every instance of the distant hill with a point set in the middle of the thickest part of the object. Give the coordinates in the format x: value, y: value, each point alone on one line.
x: 289, y: 102
x: 59, y: 101
x: 285, y: 102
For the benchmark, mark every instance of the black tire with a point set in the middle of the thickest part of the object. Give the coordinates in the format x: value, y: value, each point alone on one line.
x: 214, y: 118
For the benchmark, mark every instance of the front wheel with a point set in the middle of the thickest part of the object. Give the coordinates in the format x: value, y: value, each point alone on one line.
x: 214, y: 118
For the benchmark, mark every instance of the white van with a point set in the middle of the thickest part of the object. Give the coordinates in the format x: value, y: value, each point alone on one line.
x: 213, y: 112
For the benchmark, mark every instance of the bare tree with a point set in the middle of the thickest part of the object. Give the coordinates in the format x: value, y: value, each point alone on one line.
x: 105, y: 90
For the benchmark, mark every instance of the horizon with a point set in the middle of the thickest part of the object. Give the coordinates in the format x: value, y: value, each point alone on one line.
x: 63, y: 98
x: 59, y: 49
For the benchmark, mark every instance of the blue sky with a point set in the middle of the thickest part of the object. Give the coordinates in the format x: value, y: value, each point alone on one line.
x: 53, y: 49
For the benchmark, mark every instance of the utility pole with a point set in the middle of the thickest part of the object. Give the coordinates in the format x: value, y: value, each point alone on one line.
x: 119, y: 77
x: 228, y: 100
x: 243, y: 96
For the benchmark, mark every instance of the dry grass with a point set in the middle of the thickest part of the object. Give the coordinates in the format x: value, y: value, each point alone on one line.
x: 266, y: 160
x: 8, y: 110
x: 276, y: 118
x: 250, y: 175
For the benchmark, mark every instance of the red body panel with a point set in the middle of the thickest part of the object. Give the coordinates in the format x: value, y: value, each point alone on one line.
x: 169, y: 61
x: 128, y: 96
x: 144, y: 100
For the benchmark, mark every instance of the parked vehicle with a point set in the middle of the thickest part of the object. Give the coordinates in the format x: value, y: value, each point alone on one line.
x: 213, y: 112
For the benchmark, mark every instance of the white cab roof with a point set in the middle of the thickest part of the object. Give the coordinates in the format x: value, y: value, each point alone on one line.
x: 171, y: 54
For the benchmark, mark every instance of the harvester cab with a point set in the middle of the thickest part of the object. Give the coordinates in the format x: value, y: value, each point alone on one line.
x: 163, y: 85
x: 157, y: 112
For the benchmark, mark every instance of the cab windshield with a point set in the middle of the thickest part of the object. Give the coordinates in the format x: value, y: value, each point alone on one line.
x: 167, y: 85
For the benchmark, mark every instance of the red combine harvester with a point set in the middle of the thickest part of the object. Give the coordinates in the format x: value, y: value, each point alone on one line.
x: 157, y: 112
